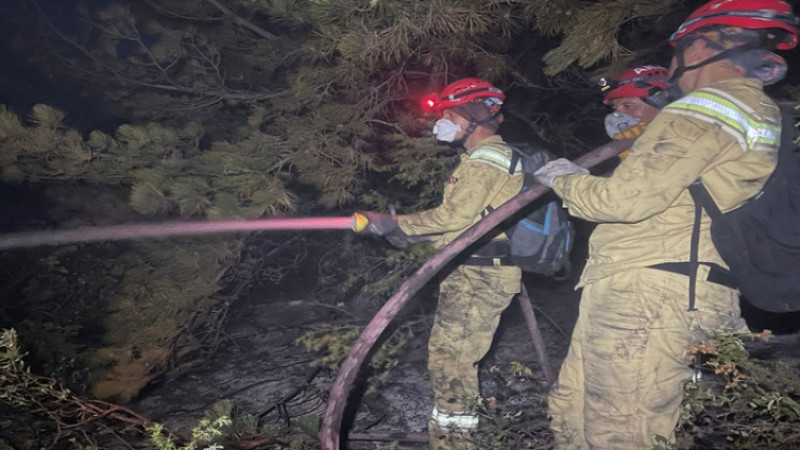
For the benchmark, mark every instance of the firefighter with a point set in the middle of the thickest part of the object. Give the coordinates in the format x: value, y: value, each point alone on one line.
x: 636, y: 95
x: 622, y: 381
x: 474, y: 294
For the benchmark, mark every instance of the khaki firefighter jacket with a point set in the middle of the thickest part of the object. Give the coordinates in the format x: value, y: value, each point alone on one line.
x: 726, y: 134
x: 481, y: 180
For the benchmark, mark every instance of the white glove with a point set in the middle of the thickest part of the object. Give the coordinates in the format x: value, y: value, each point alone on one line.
x: 556, y: 168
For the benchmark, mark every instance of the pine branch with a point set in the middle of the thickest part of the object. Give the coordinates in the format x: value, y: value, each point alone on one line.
x: 241, y: 21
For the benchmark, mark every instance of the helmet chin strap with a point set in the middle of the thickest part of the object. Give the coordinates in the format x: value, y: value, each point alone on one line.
x: 470, y: 129
x: 472, y: 126
x: 658, y: 98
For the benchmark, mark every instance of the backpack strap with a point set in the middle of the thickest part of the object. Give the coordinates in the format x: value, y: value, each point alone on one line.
x: 493, y: 253
x: 694, y: 262
x: 701, y: 197
x: 493, y: 249
x: 702, y: 200
x: 716, y: 273
x: 515, y: 158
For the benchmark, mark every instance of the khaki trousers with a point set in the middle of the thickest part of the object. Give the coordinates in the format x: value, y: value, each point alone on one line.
x: 471, y: 299
x: 622, y: 380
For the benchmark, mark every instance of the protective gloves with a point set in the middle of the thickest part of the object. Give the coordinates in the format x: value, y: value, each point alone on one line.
x: 399, y: 239
x: 381, y: 224
x: 556, y: 168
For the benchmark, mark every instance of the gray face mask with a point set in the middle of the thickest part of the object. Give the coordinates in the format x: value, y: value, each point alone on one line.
x: 445, y: 130
x: 616, y: 122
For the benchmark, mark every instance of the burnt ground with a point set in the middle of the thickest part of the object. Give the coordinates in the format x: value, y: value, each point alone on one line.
x: 265, y: 373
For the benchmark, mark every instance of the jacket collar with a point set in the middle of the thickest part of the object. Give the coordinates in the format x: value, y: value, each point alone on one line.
x: 493, y: 139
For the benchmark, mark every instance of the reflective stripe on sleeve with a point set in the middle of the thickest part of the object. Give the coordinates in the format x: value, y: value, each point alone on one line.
x: 461, y: 421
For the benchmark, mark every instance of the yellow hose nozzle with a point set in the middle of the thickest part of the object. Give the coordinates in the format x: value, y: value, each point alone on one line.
x: 360, y: 222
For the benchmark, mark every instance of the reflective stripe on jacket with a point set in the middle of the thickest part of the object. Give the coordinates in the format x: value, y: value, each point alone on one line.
x: 726, y: 134
x: 480, y: 180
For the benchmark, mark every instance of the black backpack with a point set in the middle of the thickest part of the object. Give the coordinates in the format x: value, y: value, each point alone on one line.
x: 541, y: 240
x: 760, y: 240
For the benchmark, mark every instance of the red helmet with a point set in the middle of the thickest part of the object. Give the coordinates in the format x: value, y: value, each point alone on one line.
x: 636, y: 82
x: 464, y: 91
x: 748, y: 14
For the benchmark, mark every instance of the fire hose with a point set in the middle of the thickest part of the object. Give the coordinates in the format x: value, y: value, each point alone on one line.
x: 332, y: 419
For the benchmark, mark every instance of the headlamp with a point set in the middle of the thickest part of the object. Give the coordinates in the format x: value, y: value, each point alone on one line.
x: 429, y: 103
x: 606, y: 84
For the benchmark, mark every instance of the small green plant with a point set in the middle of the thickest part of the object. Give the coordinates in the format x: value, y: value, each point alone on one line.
x: 20, y: 388
x: 512, y: 429
x: 520, y: 370
x: 310, y: 424
x: 220, y: 421
x: 472, y: 402
x: 662, y: 443
x: 25, y: 392
x: 778, y: 406
x: 751, y: 403
x: 205, y: 433
x: 332, y: 342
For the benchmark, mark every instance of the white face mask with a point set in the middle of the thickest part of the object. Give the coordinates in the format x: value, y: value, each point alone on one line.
x: 616, y: 122
x: 445, y: 130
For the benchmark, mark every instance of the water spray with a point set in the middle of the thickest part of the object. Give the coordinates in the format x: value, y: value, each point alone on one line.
x: 357, y: 222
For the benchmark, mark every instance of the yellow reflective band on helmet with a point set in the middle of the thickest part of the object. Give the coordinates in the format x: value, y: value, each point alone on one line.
x: 739, y: 121
x: 461, y: 421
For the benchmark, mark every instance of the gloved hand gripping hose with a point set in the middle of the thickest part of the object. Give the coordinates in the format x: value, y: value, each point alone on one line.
x: 384, y: 225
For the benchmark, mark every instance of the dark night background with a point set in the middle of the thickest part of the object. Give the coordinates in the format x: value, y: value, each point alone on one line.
x: 281, y: 285
x: 23, y: 83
